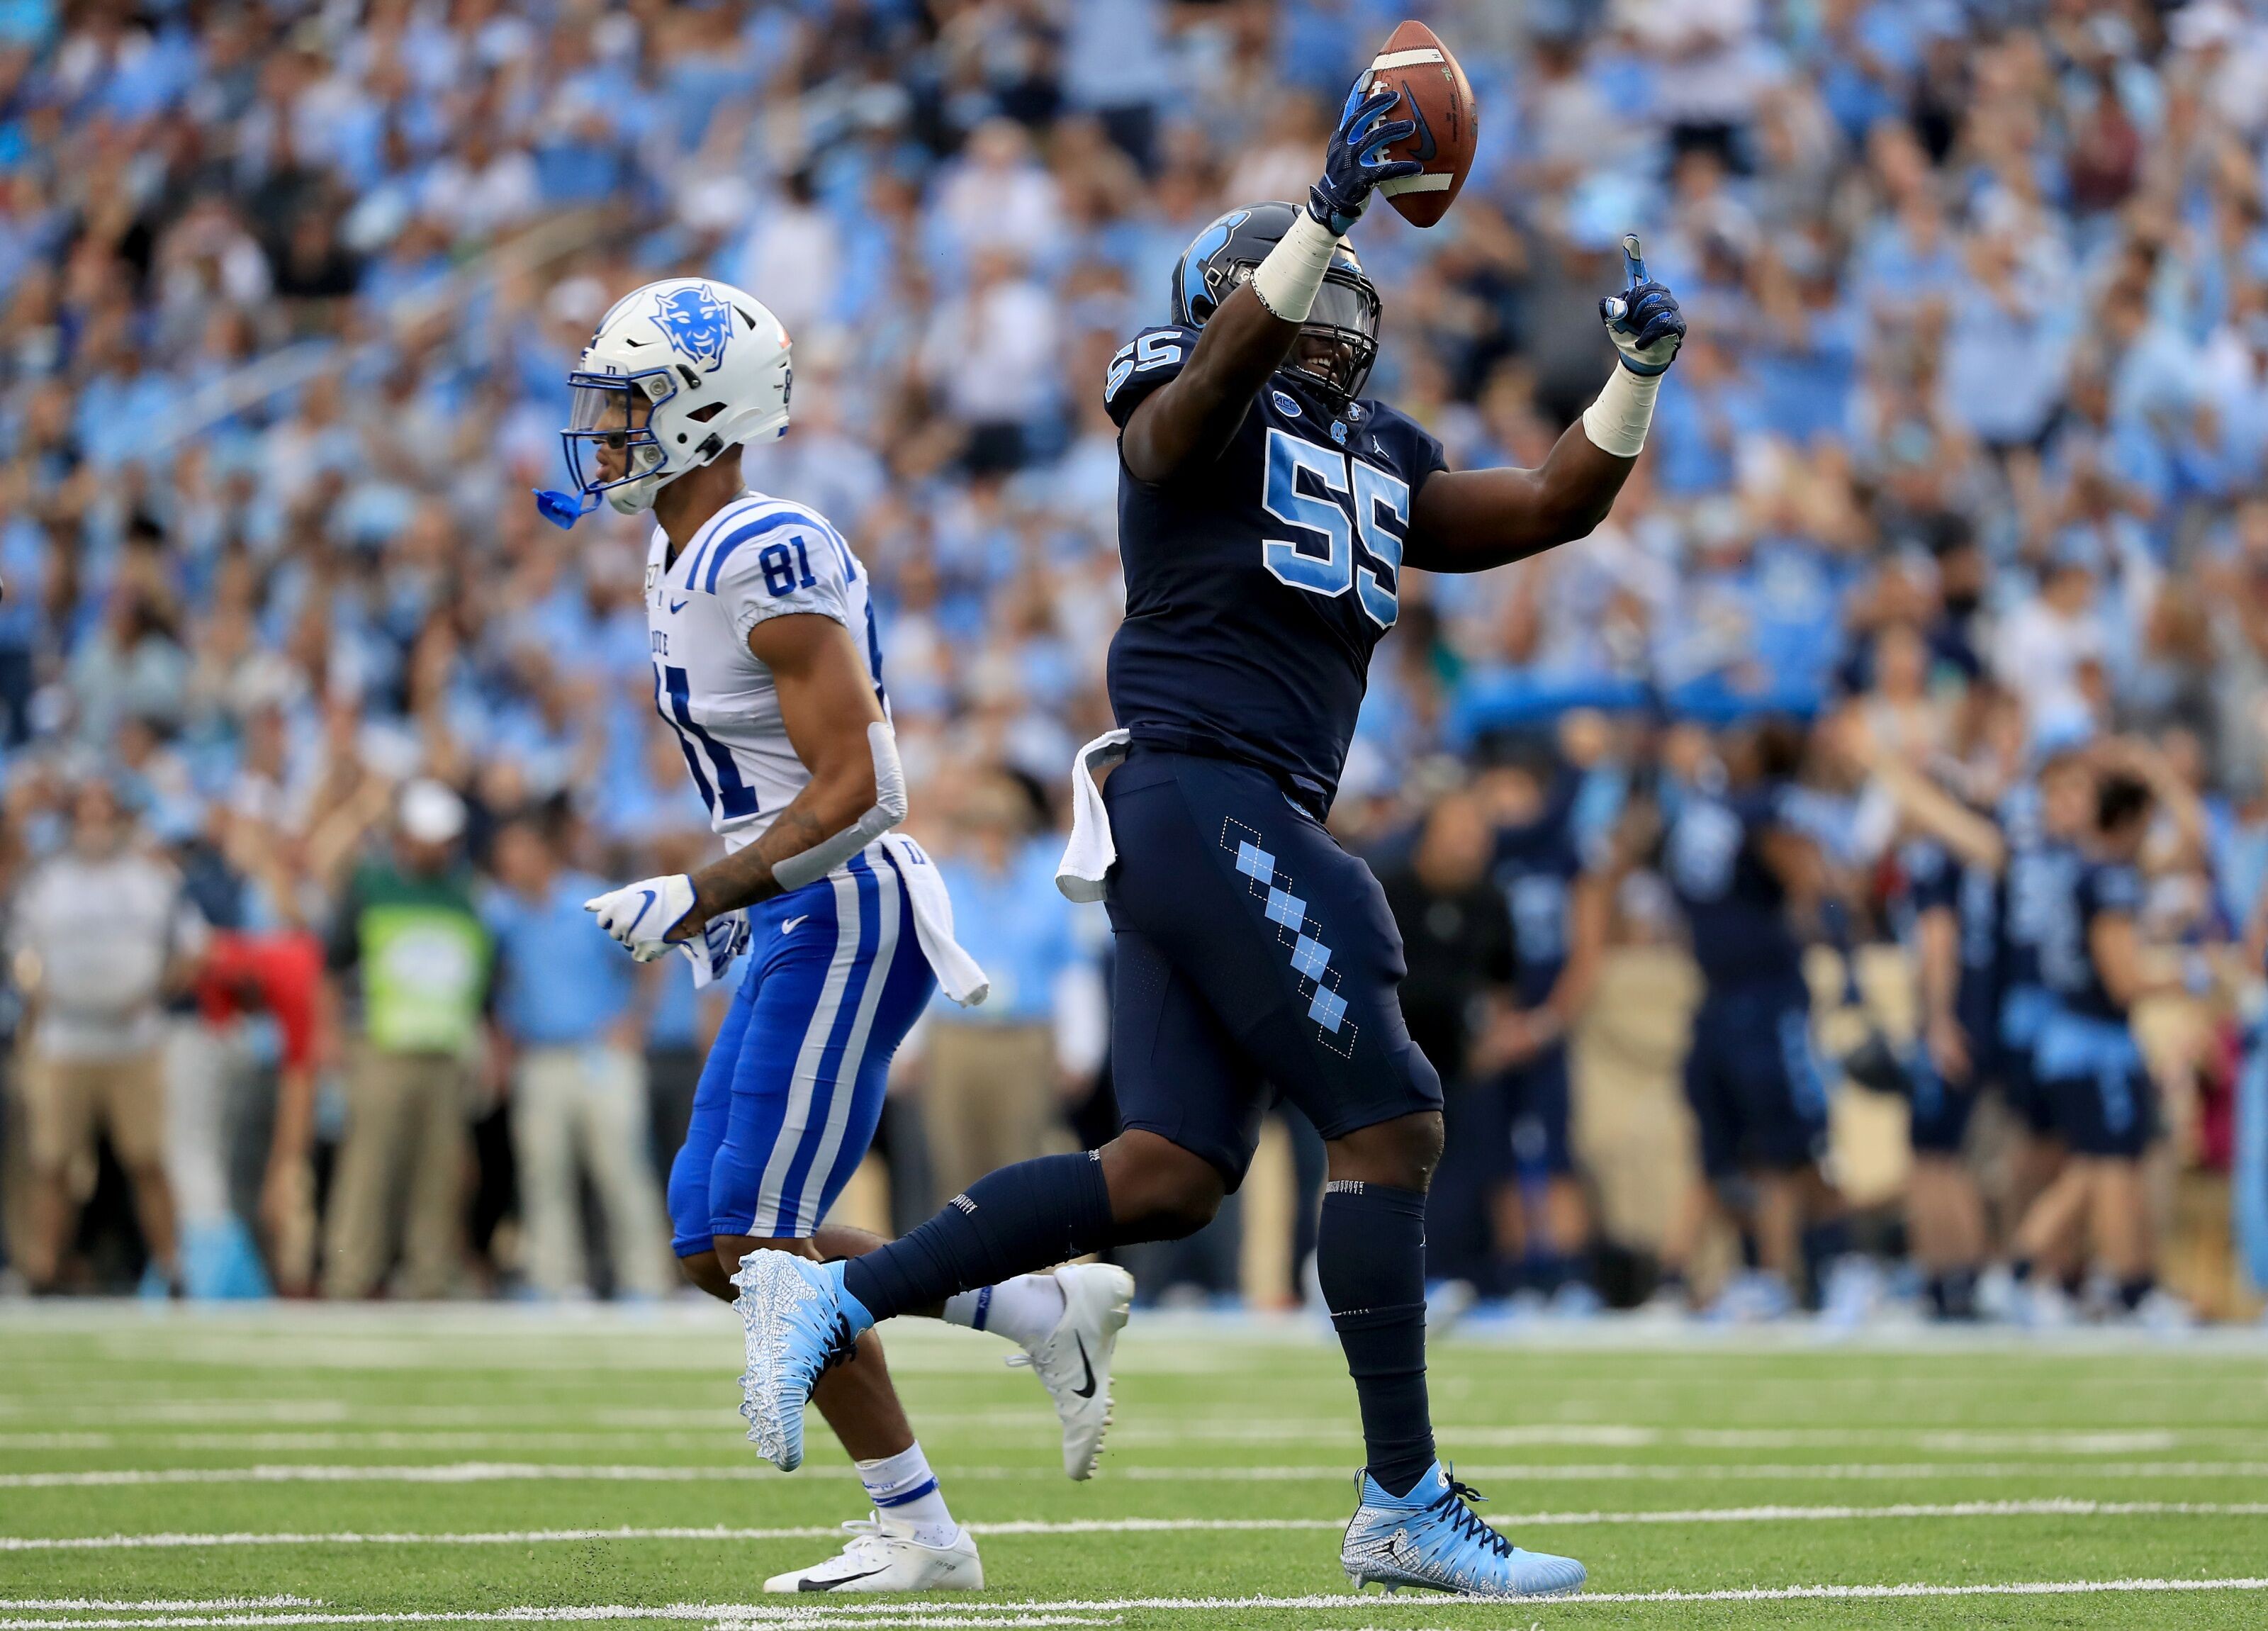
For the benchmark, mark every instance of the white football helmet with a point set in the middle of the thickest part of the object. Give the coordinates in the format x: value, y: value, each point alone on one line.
x: 677, y: 372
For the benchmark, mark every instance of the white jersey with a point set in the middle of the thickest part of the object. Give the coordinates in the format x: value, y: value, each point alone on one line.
x: 757, y: 558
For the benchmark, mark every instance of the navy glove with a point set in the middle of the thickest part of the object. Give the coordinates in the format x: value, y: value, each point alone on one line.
x: 1355, y: 162
x: 1643, y: 321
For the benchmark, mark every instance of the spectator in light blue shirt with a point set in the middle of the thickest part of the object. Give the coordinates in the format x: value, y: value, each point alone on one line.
x: 564, y: 1007
x: 992, y: 1095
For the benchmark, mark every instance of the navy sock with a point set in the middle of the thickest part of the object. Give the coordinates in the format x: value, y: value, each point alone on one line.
x: 1017, y: 1221
x: 1952, y: 1295
x: 1370, y: 1254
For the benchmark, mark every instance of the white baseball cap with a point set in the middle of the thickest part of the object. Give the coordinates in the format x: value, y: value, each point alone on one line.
x: 431, y: 811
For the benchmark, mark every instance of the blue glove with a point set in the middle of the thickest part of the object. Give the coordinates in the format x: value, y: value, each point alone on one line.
x: 1355, y: 162
x: 1643, y: 321
x: 722, y: 938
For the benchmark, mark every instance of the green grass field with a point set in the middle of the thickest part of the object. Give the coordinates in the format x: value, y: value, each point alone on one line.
x: 295, y: 1467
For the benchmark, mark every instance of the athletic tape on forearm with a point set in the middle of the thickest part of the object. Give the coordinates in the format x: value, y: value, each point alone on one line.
x: 809, y: 865
x: 1288, y: 280
x: 1617, y: 421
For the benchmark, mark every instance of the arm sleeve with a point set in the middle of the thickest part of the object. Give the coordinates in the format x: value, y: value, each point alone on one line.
x: 1141, y: 366
x: 787, y: 561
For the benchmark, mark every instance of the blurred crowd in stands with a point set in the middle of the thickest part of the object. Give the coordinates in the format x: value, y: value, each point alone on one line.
x: 315, y: 738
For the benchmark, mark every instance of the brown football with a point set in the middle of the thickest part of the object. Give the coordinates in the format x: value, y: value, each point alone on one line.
x: 1434, y: 94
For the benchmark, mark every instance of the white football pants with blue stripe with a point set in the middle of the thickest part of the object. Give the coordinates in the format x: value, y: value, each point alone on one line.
x: 793, y: 1087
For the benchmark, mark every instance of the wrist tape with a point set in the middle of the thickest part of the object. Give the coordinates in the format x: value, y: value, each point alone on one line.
x: 1617, y: 421
x: 1289, y: 279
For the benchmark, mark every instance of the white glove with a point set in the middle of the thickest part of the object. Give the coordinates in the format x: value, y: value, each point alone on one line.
x: 640, y: 914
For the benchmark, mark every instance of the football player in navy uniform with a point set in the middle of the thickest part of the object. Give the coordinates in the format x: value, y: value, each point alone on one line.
x: 1746, y: 873
x: 1559, y: 906
x: 2044, y: 820
x: 2085, y: 1056
x: 1947, y: 910
x: 1267, y: 510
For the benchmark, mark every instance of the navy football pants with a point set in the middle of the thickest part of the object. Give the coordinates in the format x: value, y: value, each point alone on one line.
x: 1256, y: 960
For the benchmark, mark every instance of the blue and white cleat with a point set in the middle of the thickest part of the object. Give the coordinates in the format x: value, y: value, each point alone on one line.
x: 799, y: 1322
x: 1433, y: 1537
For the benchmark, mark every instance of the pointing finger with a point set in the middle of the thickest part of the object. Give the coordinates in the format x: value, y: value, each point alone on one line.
x: 1633, y: 259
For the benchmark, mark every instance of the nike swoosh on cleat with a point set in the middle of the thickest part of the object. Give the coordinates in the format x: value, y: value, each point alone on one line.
x: 1088, y: 1391
x: 788, y: 926
x: 808, y: 1585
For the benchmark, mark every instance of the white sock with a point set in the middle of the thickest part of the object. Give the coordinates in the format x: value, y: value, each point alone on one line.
x: 904, y: 1490
x: 1023, y: 1309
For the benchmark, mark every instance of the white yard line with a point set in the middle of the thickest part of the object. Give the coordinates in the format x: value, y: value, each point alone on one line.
x: 507, y: 1472
x: 78, y: 1604
x: 671, y: 1323
x: 708, y: 1427
x: 979, y: 1612
x: 1728, y: 1472
x: 477, y: 1427
x: 720, y: 1427
x: 2057, y: 1507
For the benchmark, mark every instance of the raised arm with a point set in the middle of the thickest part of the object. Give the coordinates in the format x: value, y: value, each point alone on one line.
x: 1470, y: 521
x: 1973, y: 839
x: 1191, y: 417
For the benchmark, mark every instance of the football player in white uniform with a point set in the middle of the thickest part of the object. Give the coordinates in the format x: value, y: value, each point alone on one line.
x: 768, y: 666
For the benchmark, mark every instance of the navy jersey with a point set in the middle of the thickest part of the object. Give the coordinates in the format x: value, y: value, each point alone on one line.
x: 1537, y: 867
x: 2066, y: 955
x: 1930, y: 878
x: 2034, y: 905
x: 1734, y: 901
x: 1927, y: 880
x: 1980, y: 902
x: 1258, y: 582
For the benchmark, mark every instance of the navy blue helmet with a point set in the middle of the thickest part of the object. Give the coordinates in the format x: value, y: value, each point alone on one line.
x: 1339, y: 341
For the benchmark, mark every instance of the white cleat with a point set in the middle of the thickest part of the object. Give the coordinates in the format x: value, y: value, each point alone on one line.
x: 882, y: 1555
x: 1073, y: 1360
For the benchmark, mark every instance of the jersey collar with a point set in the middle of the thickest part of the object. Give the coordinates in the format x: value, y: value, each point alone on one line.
x: 699, y: 540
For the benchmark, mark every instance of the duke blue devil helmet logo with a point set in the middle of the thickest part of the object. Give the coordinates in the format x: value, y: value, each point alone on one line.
x: 697, y: 323
x: 678, y: 372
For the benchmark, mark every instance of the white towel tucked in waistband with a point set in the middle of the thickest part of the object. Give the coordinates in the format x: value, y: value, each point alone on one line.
x: 1089, y: 856
x: 721, y: 939
x: 957, y: 973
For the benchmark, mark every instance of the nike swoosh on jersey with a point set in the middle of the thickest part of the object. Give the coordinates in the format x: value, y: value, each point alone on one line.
x: 788, y: 924
x: 679, y: 606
